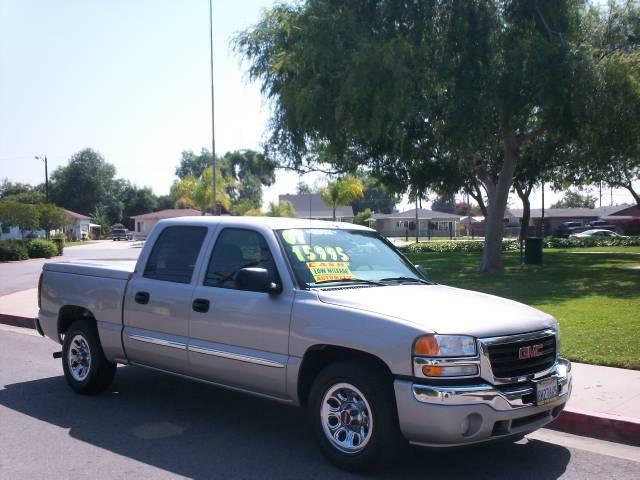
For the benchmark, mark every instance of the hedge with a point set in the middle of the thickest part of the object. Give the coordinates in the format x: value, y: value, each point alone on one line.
x: 13, y: 250
x: 463, y: 246
x: 581, y: 242
x: 42, y: 248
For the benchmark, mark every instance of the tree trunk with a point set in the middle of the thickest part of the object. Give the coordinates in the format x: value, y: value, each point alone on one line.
x: 334, y: 212
x: 526, y: 211
x: 634, y: 194
x: 476, y: 194
x: 498, y: 196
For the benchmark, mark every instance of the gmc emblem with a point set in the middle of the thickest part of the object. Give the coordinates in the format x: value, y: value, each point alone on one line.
x: 530, y: 352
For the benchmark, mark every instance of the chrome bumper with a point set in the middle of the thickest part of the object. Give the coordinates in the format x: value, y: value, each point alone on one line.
x: 457, y: 415
x: 506, y: 398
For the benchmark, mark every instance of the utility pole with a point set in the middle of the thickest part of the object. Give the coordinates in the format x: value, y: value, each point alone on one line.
x: 213, y: 129
x: 542, y: 224
x: 600, y: 193
x: 46, y: 176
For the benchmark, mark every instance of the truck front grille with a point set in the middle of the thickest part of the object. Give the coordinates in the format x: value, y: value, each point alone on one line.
x: 507, y: 362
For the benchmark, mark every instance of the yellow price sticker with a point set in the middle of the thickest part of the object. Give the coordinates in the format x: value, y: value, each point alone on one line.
x: 327, y: 271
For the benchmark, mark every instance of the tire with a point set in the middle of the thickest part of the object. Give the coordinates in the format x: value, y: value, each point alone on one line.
x: 364, y: 436
x: 86, y: 369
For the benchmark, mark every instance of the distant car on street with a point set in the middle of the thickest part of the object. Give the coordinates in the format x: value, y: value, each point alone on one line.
x: 597, y: 233
x: 119, y: 234
x: 567, y: 229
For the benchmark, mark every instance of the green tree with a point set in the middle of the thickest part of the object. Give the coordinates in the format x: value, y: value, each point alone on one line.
x: 303, y: 188
x: 87, y: 181
x: 363, y: 217
x: 197, y: 192
x: 377, y: 197
x: 21, y: 215
x: 573, y: 199
x: 281, y: 209
x: 446, y: 203
x: 248, y: 171
x: 419, y: 91
x: 21, y: 192
x: 165, y: 202
x: 192, y: 165
x: 51, y: 217
x: 99, y: 216
x: 342, y: 192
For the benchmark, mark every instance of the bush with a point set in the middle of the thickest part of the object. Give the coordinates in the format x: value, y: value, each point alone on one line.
x: 13, y: 250
x: 463, y: 246
x: 59, y: 241
x: 580, y: 242
x: 42, y: 248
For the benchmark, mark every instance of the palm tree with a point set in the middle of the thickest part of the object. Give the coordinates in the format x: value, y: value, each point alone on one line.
x: 342, y: 192
x: 197, y: 192
x: 282, y: 209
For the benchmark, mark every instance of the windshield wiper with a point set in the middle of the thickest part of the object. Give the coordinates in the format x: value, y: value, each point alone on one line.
x: 405, y: 279
x: 349, y: 280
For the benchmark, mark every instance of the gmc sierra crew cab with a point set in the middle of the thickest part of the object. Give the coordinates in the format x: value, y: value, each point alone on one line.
x: 323, y: 315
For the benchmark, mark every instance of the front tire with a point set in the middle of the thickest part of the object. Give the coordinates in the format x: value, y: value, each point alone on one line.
x: 86, y: 369
x: 354, y: 417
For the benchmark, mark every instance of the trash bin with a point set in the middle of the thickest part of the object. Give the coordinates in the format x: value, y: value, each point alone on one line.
x: 533, y: 251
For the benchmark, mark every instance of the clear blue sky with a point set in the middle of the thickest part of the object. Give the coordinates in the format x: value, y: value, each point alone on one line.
x: 129, y: 78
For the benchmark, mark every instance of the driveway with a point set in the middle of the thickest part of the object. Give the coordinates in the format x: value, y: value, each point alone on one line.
x: 18, y: 276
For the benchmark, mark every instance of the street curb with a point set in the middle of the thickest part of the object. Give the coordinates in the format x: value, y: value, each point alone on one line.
x: 15, y: 321
x: 578, y: 422
x: 598, y: 425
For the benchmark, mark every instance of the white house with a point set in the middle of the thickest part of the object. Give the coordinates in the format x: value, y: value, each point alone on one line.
x: 430, y: 223
x: 80, y: 227
x: 13, y: 233
x: 146, y: 221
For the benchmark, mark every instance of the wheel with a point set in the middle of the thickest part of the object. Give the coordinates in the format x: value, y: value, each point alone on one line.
x: 354, y: 417
x: 86, y: 369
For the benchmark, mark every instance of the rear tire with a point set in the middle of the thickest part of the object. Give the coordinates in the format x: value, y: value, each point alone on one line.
x: 86, y: 369
x: 354, y: 417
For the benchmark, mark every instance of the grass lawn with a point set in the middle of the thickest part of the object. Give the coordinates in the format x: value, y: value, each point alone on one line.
x: 593, y: 292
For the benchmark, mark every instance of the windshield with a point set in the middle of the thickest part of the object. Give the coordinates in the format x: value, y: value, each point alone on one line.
x: 328, y: 256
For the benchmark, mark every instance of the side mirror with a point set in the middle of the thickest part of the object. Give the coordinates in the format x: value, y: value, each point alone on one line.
x: 256, y: 280
x: 421, y: 270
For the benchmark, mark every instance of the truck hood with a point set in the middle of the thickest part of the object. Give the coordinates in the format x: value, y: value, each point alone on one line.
x: 442, y: 309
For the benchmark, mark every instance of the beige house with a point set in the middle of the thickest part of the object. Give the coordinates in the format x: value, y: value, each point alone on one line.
x: 145, y: 222
x: 80, y: 227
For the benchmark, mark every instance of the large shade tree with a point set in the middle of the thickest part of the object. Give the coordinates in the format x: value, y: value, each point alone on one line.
x: 421, y: 93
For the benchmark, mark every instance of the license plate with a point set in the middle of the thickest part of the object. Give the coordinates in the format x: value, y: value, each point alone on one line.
x: 546, y: 391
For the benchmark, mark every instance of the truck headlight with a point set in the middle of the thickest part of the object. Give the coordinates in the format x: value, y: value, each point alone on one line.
x: 445, y: 346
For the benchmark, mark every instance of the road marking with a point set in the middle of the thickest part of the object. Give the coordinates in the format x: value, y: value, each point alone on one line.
x: 601, y: 447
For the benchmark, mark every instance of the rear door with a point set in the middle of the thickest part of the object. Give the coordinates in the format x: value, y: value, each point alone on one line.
x: 242, y: 338
x: 158, y: 299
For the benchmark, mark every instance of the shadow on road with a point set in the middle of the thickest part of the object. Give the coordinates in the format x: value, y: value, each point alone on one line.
x: 199, y: 431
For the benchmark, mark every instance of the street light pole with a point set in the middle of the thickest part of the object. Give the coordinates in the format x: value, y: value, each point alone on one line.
x: 46, y: 176
x: 213, y: 130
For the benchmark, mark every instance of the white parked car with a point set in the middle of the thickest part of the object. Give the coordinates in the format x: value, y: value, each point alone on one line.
x: 597, y: 233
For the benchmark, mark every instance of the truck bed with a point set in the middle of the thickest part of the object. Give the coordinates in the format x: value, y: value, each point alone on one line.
x: 116, y: 269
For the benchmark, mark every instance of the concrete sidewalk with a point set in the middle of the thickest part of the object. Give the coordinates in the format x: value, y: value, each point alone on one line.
x: 605, y: 402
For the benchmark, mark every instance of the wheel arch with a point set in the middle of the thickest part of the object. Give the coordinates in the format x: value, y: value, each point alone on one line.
x: 69, y: 314
x: 317, y: 357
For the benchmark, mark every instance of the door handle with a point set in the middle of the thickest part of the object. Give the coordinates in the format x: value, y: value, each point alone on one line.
x: 142, y: 297
x: 200, y: 305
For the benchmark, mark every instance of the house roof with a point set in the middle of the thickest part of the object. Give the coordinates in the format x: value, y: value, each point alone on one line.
x: 311, y: 205
x: 75, y: 215
x: 571, y: 212
x: 423, y: 214
x: 168, y: 213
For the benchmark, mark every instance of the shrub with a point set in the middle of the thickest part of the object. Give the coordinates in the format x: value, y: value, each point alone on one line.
x: 463, y: 246
x: 42, y: 248
x: 580, y: 242
x: 59, y: 241
x: 13, y: 250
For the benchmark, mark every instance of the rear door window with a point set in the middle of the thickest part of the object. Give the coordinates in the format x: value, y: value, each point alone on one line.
x: 174, y: 255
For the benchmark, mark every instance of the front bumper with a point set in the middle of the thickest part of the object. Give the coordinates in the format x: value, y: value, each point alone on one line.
x: 437, y: 415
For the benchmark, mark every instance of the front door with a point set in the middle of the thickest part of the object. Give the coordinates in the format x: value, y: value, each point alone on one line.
x: 158, y: 300
x: 240, y: 338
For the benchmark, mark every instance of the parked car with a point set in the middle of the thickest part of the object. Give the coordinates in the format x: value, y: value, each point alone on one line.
x: 119, y: 234
x: 597, y: 233
x: 602, y: 224
x: 568, y: 228
x: 323, y: 315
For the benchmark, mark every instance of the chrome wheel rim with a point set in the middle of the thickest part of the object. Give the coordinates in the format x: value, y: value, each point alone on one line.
x: 346, y: 418
x: 79, y: 358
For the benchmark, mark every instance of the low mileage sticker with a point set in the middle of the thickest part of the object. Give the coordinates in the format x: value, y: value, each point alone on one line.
x: 327, y: 271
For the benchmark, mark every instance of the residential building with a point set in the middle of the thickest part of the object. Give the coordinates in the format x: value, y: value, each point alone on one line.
x: 145, y: 222
x: 430, y: 223
x: 80, y: 227
x: 311, y: 205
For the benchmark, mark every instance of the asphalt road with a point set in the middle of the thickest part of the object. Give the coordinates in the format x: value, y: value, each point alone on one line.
x: 18, y: 276
x: 151, y: 425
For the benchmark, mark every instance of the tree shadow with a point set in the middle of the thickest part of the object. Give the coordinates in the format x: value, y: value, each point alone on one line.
x: 198, y: 431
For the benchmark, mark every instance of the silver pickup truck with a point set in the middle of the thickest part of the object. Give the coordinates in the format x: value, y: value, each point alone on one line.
x: 327, y: 316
